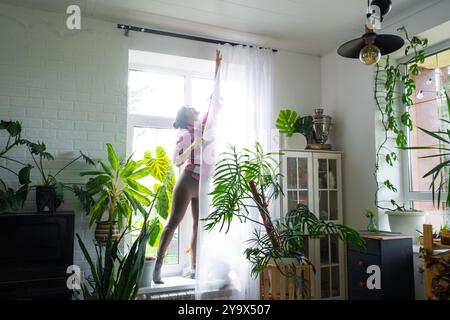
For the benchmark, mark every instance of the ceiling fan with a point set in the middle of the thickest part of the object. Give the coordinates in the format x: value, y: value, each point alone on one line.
x: 370, y: 47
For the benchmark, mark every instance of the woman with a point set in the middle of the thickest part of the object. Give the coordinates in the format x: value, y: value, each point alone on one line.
x: 187, y: 152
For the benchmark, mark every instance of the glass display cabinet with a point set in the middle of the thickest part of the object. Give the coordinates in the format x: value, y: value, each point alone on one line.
x: 314, y: 178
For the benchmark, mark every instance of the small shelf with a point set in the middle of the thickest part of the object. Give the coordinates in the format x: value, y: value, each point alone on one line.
x: 437, y: 245
x: 328, y: 265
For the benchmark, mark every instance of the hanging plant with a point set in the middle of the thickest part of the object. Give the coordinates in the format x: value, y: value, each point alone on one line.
x: 389, y: 77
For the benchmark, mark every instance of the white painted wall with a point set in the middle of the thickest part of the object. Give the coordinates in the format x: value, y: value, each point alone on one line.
x: 69, y: 88
x: 347, y: 95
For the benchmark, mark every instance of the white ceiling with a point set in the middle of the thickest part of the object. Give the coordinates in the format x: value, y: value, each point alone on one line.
x: 308, y: 26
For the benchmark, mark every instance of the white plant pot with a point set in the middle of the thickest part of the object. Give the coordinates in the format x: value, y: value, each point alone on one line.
x: 406, y: 222
x: 296, y: 142
x: 147, y: 273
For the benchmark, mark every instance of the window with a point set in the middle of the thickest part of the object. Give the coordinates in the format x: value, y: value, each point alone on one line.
x: 429, y: 107
x: 158, y: 85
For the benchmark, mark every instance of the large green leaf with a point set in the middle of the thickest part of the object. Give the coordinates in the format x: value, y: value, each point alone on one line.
x: 159, y: 165
x: 162, y: 202
x: 24, y: 175
x: 286, y: 122
x: 112, y: 157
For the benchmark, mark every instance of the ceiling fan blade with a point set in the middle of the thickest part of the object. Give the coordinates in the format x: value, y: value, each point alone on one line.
x: 351, y: 48
x: 388, y: 43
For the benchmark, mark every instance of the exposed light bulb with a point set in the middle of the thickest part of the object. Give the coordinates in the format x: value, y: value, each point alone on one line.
x: 420, y: 95
x: 370, y: 54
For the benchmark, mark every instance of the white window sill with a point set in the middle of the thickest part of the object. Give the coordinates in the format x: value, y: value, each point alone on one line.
x: 170, y: 284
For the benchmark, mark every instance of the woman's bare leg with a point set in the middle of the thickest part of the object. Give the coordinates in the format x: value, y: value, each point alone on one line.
x: 195, y: 208
x: 182, y: 195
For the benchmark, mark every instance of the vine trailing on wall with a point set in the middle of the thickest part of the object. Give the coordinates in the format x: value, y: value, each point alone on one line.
x: 393, y: 83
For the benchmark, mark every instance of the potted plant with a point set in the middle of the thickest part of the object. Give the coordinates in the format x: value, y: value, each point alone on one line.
x: 50, y: 193
x: 116, y: 275
x: 388, y: 77
x: 11, y: 200
x: 114, y: 189
x: 296, y: 131
x: 249, y: 179
x: 405, y: 221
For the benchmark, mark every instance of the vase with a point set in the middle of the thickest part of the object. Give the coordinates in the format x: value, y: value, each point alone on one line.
x: 296, y: 142
x: 147, y: 272
x: 372, y: 227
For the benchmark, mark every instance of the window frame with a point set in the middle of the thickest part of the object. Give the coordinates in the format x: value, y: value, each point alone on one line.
x: 406, y: 165
x: 158, y: 122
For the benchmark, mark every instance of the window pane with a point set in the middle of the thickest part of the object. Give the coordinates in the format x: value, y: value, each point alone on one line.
x: 429, y: 107
x: 155, y: 94
x: 147, y: 139
x: 201, y: 93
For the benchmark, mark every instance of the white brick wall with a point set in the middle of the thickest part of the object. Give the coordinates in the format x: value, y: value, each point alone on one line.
x: 60, y: 86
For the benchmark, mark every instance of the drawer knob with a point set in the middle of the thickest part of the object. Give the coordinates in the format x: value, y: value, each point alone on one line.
x: 360, y: 263
x: 361, y: 284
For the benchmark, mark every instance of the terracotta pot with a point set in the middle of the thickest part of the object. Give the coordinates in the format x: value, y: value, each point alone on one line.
x: 102, y: 231
x: 445, y: 237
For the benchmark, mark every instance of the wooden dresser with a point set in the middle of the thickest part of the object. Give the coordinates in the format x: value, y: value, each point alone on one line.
x: 36, y: 249
x: 394, y: 256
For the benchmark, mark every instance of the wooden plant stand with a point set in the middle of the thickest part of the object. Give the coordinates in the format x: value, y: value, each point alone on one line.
x: 274, y: 285
x: 435, y: 266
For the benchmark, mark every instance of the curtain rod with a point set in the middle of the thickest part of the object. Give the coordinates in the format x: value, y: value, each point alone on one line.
x: 127, y: 28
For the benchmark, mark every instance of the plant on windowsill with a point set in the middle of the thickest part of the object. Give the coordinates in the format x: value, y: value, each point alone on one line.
x: 249, y: 179
x: 116, y: 275
x: 440, y: 174
x: 296, y: 131
x: 388, y: 78
x: 114, y: 189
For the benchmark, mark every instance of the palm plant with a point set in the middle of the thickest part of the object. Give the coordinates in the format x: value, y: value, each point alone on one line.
x: 440, y: 174
x: 115, y: 189
x: 250, y: 179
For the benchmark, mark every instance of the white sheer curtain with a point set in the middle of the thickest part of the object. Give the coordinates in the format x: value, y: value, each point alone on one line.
x: 240, y: 114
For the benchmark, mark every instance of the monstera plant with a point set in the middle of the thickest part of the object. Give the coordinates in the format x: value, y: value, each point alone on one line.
x: 10, y: 199
x: 115, y: 189
x: 289, y: 122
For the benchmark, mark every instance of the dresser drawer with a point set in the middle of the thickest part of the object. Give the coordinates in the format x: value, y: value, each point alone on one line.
x: 372, y: 247
x: 359, y: 261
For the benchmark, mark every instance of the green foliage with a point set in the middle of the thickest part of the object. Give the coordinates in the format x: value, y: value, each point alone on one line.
x: 389, y: 79
x: 114, y: 188
x: 114, y: 275
x: 233, y: 197
x: 286, y: 122
x: 292, y: 232
x: 231, y: 192
x: 11, y: 200
x: 439, y: 174
x: 289, y: 122
x: 39, y: 153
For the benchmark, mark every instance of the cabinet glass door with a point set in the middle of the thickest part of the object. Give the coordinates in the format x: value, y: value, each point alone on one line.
x: 328, y: 192
x: 297, y: 182
x: 329, y: 260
